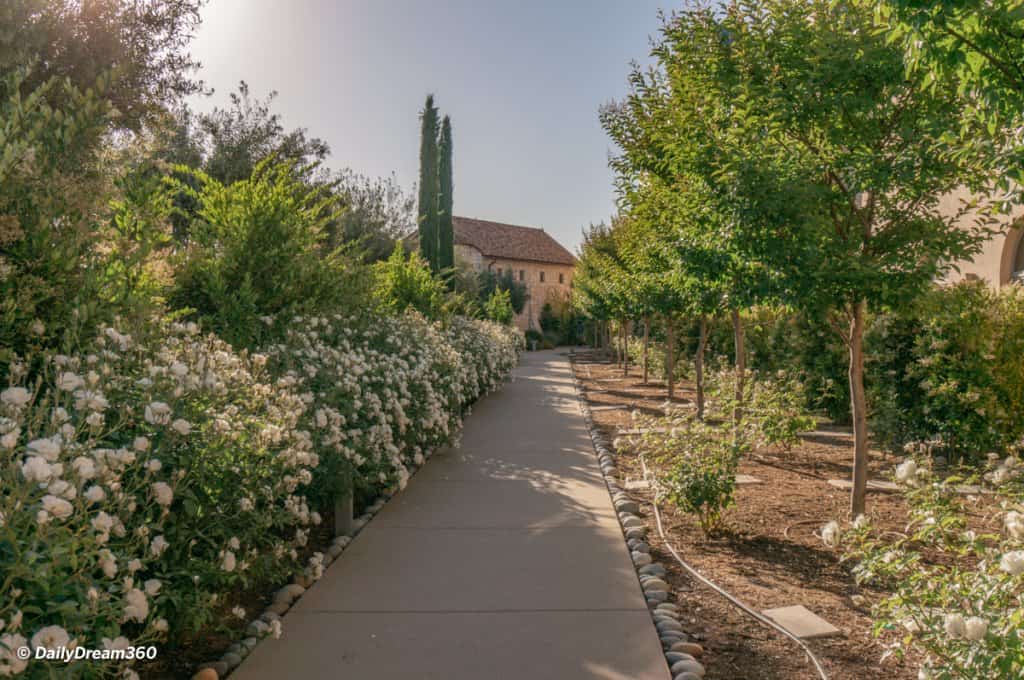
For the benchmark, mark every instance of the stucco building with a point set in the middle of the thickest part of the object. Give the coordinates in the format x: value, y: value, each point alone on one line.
x: 535, y: 259
x: 1001, y: 260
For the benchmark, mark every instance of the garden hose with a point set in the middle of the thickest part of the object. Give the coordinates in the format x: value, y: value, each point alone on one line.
x: 728, y: 596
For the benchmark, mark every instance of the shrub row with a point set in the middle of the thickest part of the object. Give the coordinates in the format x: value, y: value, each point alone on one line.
x: 146, y: 477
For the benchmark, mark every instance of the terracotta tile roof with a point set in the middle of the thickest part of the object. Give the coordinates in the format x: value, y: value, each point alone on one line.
x: 510, y: 242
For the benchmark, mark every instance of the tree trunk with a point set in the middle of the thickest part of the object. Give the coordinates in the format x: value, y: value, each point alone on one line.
x: 670, y: 363
x: 858, y: 404
x: 647, y: 345
x: 698, y: 365
x: 627, y: 327
x: 741, y: 364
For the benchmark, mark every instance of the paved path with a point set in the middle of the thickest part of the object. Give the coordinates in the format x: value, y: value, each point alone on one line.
x: 502, y: 559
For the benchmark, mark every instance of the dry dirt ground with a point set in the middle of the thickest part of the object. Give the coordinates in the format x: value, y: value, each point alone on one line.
x: 768, y: 555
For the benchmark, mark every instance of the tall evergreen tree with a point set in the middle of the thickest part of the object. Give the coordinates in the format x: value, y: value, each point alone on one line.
x: 429, y: 184
x: 445, y: 229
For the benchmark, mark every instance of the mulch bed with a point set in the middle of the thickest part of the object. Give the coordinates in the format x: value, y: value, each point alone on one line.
x: 768, y: 555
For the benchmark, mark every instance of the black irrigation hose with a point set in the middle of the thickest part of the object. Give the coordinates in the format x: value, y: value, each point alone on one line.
x: 728, y: 596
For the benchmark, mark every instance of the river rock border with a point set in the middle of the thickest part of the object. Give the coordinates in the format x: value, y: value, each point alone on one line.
x: 286, y: 597
x: 680, y: 652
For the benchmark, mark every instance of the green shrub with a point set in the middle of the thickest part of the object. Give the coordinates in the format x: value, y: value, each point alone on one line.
x: 534, y: 339
x: 774, y: 406
x: 949, y: 370
x: 699, y: 459
x: 499, y: 307
x: 402, y: 283
x: 258, y: 250
x: 53, y: 198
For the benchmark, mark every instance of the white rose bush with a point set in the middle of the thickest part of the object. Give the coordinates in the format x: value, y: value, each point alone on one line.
x: 956, y: 593
x: 147, y: 477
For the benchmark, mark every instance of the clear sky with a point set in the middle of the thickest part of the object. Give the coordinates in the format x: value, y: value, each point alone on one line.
x: 521, y: 79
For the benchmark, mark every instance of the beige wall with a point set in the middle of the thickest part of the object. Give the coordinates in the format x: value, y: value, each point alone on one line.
x: 528, y: 273
x: 995, y: 263
x: 539, y: 291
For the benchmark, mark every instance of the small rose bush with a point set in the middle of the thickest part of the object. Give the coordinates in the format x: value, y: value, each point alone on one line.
x: 956, y: 591
x: 147, y: 476
x: 695, y: 460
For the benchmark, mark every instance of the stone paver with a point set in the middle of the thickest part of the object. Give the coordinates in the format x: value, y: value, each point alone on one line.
x: 802, y: 622
x: 502, y: 559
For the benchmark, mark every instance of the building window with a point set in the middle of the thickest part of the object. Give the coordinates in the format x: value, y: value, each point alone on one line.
x: 499, y: 271
x: 542, y: 277
x: 522, y: 274
x: 561, y: 278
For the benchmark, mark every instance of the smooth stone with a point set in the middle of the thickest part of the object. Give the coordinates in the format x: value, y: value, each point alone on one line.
x: 206, y: 674
x: 334, y: 551
x: 218, y: 667
x: 636, y: 532
x: 687, y: 676
x: 294, y: 589
x: 691, y: 648
x: 688, y: 666
x: 250, y: 643
x: 269, y: 616
x: 665, y: 626
x: 231, y: 659
x: 676, y: 657
x: 279, y: 608
x: 669, y: 639
x: 303, y: 580
x: 239, y: 649
x: 655, y: 583
x: 628, y: 506
x: 641, y: 559
x: 657, y: 596
x: 643, y: 546
x: 654, y: 569
x: 663, y: 618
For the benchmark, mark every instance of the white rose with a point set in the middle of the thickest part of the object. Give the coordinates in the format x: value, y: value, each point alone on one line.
x: 158, y: 413
x: 94, y: 494
x: 69, y: 382
x: 10, y: 664
x: 163, y: 493
x: 181, y: 426
x: 141, y: 444
x: 84, y: 467
x: 158, y: 545
x: 15, y: 396
x: 1013, y: 562
x: 50, y: 637
x: 975, y: 628
x: 47, y: 448
x: 57, y: 507
x: 136, y: 606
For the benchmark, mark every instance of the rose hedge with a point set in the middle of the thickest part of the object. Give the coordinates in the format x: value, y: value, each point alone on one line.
x: 145, y: 479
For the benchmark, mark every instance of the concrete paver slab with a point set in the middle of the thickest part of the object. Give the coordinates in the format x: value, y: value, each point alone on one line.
x: 802, y: 622
x: 519, y: 645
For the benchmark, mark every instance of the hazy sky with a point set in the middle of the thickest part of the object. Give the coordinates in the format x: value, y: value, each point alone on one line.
x: 521, y: 79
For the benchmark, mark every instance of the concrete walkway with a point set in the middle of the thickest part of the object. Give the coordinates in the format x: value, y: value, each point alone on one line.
x: 502, y: 559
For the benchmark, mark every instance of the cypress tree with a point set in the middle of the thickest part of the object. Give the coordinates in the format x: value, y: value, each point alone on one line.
x: 445, y: 229
x: 428, y: 192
